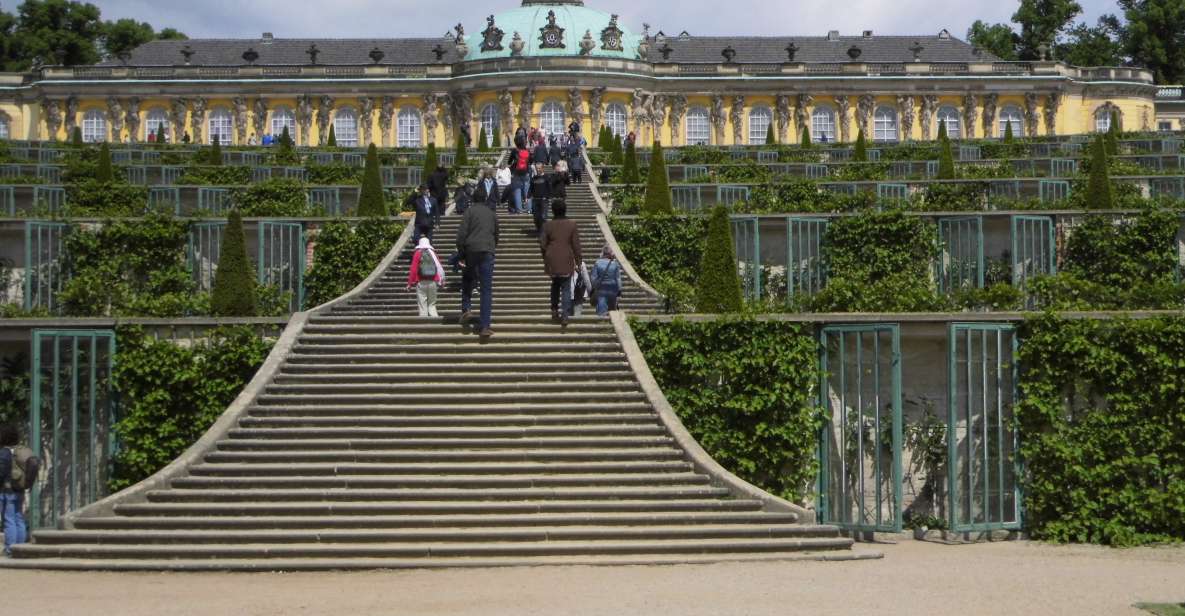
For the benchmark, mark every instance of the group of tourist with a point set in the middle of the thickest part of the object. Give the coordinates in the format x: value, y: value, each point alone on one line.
x: 525, y: 186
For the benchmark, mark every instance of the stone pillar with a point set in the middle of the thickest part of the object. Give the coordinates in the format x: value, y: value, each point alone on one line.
x: 1052, y: 102
x: 969, y: 115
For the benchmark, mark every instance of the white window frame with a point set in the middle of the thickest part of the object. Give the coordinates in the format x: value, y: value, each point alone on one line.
x: 823, y: 124
x: 699, y: 126
x: 5, y: 127
x: 1011, y: 113
x: 345, y: 127
x: 552, y: 119
x: 1165, y: 126
x: 283, y: 117
x: 760, y: 119
x: 616, y: 119
x: 884, y: 125
x: 221, y: 124
x: 155, y: 119
x: 954, y: 122
x: 491, y: 121
x: 94, y: 126
x: 409, y: 128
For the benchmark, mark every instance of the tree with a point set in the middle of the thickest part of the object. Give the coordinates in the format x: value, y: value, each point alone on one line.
x: 234, y: 282
x: 483, y: 141
x: 214, y: 156
x: 617, y: 155
x: 629, y: 171
x: 942, y: 134
x: 331, y: 140
x: 1097, y: 46
x: 1098, y: 188
x: 122, y: 36
x: 996, y: 39
x: 462, y: 154
x: 76, y: 137
x: 1113, y: 135
x: 431, y: 161
x: 171, y: 34
x: 55, y: 32
x: 286, y: 151
x: 103, y: 172
x: 1041, y: 22
x: 160, y: 134
x: 1008, y: 137
x: 1155, y: 37
x: 372, y: 201
x: 718, y: 287
x: 946, y: 158
x: 658, y: 189
x: 861, y: 153
x: 806, y: 138
x: 497, y: 139
x: 770, y: 139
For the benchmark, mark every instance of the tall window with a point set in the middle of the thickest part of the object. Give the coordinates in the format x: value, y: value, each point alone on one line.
x: 760, y: 119
x: 345, y: 127
x: 615, y: 118
x: 699, y: 129
x: 408, y: 127
x: 282, y: 117
x: 222, y: 126
x: 884, y: 126
x: 551, y: 118
x: 950, y: 117
x: 490, y: 122
x: 1102, y: 120
x: 157, y: 119
x: 1010, y: 115
x: 94, y: 126
x: 823, y: 125
x: 4, y: 127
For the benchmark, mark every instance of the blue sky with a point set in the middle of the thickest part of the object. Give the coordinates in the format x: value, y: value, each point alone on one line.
x: 395, y: 18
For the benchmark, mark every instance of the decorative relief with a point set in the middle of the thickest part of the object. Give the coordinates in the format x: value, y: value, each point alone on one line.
x: 551, y: 36
x: 115, y: 119
x: 596, y: 99
x: 260, y: 118
x: 304, y: 118
x: 926, y: 115
x: 611, y: 37
x: 906, y: 106
x: 864, y: 108
x: 386, y: 117
x: 576, y: 106
x: 718, y: 117
x: 737, y: 117
x: 240, y: 106
x: 989, y: 113
x: 178, y: 112
x: 197, y: 120
x: 782, y: 106
x: 491, y: 37
x: 366, y: 119
x: 1032, y: 115
x: 526, y: 108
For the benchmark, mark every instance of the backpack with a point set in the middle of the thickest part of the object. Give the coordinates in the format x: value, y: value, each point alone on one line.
x: 522, y: 161
x: 25, y: 469
x: 427, y: 266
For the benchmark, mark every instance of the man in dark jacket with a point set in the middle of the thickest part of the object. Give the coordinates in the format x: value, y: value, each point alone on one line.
x: 554, y: 153
x: 426, y: 208
x: 477, y: 240
x: 438, y: 186
x: 540, y: 155
x: 540, y: 194
x: 463, y: 197
x: 486, y: 192
x: 520, y: 175
x: 575, y: 161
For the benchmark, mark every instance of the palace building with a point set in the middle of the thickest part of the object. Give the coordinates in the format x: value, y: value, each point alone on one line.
x: 548, y: 63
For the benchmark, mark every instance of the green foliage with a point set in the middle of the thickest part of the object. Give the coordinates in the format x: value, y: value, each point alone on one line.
x: 234, y: 293
x: 372, y: 201
x: 103, y: 172
x: 286, y: 150
x: 617, y: 155
x: 483, y: 140
x: 806, y: 138
x: 629, y: 172
x: 171, y: 394
x: 1098, y: 192
x: 861, y: 153
x: 205, y: 175
x: 14, y: 390
x: 334, y: 174
x: 747, y: 391
x: 76, y: 137
x: 795, y: 195
x: 160, y: 135
x: 997, y: 39
x: 1101, y: 408
x: 658, y: 189
x: 274, y: 198
x: 1008, y: 137
x: 497, y: 139
x: 1041, y: 22
x: 718, y: 284
x: 1113, y: 135
x: 946, y: 161
x: 943, y: 137
x: 130, y: 268
x: 346, y: 255
x: 770, y: 139
x: 431, y: 162
x: 462, y: 154
x: 331, y: 140
x: 1099, y: 45
x: 666, y: 250
x: 214, y: 154
x: 1155, y: 37
x: 93, y: 198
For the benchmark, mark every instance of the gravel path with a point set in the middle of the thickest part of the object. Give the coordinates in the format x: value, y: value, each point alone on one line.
x: 914, y: 578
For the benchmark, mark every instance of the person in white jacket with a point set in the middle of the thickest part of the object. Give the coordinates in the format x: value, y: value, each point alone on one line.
x: 426, y: 277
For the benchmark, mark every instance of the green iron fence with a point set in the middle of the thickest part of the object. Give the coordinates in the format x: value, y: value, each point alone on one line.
x: 960, y: 265
x: 983, y: 459
x: 282, y: 259
x: 860, y: 448
x: 806, y: 269
x: 746, y: 236
x: 44, y: 264
x: 204, y: 250
x: 70, y: 419
x: 1033, y: 250
x: 8, y: 201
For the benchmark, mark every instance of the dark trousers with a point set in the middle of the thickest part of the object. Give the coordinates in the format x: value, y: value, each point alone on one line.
x: 561, y: 291
x: 575, y: 174
x: 479, y: 268
x: 422, y: 231
x: 540, y: 212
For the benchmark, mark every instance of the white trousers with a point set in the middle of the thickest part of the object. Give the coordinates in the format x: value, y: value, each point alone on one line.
x: 426, y: 298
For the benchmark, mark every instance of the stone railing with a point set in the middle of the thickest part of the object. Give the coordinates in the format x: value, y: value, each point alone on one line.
x: 1170, y: 92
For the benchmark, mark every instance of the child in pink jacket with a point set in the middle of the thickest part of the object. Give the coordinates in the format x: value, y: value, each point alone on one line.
x: 426, y: 276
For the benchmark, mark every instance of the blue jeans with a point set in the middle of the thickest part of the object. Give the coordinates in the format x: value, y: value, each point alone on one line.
x: 606, y: 300
x: 518, y: 192
x: 15, y: 529
x: 479, y: 266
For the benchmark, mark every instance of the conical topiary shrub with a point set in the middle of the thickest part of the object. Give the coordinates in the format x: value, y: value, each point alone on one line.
x: 483, y: 140
x: 461, y: 158
x: 718, y: 288
x: 806, y: 138
x: 104, y: 172
x: 431, y: 161
x: 770, y: 139
x: 617, y: 157
x: 942, y: 136
x: 331, y: 140
x: 1113, y: 135
x: 76, y: 137
x: 658, y: 189
x: 946, y: 157
x: 1098, y: 188
x: 234, y: 282
x: 497, y: 139
x: 160, y: 134
x: 1008, y: 138
x: 371, y: 200
x: 629, y: 171
x: 214, y: 157
x: 861, y: 153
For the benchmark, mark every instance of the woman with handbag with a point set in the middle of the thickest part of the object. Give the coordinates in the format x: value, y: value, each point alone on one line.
x: 606, y: 282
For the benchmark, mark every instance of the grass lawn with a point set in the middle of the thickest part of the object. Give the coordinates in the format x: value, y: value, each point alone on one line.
x: 1163, y: 609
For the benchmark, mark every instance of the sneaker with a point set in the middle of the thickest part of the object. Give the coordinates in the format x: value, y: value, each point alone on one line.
x: 466, y: 317
x: 486, y: 333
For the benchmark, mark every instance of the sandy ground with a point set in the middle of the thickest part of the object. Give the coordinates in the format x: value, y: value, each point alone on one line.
x: 914, y: 578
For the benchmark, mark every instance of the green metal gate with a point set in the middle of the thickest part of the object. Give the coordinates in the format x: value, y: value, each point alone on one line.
x: 70, y: 420
x: 44, y: 263
x: 746, y: 237
x: 860, y: 449
x: 281, y: 259
x: 981, y: 435
x: 806, y: 270
x: 204, y: 250
x: 961, y: 263
x: 1033, y: 250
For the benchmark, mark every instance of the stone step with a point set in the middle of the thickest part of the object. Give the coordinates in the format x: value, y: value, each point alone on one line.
x: 401, y: 495
x: 433, y: 384
x: 420, y: 327
x: 494, y: 462
x: 321, y: 449
x: 434, y: 507
x: 464, y: 343
x: 452, y: 335
x: 500, y: 421
x: 297, y: 399
x: 441, y: 481
x: 471, y: 407
x: 463, y: 431
x: 445, y: 374
x: 479, y: 359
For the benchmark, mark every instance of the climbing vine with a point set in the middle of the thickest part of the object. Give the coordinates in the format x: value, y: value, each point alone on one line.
x: 346, y: 255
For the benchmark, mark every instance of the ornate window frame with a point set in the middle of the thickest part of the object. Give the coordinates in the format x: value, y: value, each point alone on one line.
x: 761, y: 118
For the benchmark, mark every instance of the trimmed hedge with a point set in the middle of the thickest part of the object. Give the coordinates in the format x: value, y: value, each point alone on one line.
x: 234, y: 292
x: 718, y: 284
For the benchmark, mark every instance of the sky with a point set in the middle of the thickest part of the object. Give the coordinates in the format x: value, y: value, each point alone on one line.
x: 420, y: 18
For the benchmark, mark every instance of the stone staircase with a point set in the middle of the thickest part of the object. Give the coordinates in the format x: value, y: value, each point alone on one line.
x: 381, y: 440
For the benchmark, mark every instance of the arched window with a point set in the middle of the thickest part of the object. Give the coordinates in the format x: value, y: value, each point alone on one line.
x: 551, y: 118
x: 345, y: 127
x: 1102, y: 118
x: 157, y: 119
x: 282, y: 117
x: 222, y: 126
x: 1010, y: 116
x: 699, y: 129
x: 950, y: 117
x: 615, y: 118
x: 5, y: 126
x: 94, y: 126
x: 490, y: 122
x: 760, y: 119
x: 884, y: 124
x: 408, y: 128
x: 823, y: 125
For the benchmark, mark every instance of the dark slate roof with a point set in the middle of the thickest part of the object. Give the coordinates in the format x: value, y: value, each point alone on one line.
x: 938, y: 48
x: 229, y: 52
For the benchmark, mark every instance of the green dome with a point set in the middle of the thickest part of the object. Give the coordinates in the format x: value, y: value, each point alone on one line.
x: 532, y: 20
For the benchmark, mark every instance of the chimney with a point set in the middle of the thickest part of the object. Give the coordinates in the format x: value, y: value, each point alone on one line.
x: 833, y: 35
x: 268, y: 38
x: 868, y: 34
